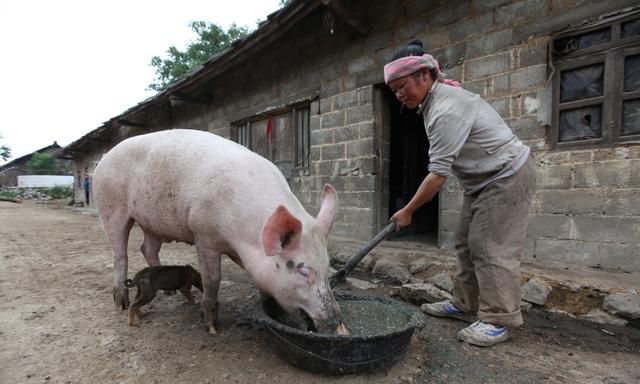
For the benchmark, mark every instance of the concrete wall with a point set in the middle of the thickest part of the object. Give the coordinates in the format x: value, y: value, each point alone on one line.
x: 583, y: 212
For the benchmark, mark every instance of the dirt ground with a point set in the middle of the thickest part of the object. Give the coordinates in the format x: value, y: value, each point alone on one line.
x: 58, y: 324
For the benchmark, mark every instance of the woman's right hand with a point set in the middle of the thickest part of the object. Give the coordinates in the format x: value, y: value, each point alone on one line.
x: 402, y: 218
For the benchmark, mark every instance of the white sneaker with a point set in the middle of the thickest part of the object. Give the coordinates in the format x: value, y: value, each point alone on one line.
x: 483, y: 334
x: 444, y: 309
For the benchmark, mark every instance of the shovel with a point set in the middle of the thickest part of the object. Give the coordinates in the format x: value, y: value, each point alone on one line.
x: 355, y: 259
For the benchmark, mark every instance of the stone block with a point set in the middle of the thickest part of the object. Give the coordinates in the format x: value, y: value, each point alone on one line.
x: 451, y: 201
x: 527, y: 128
x: 622, y: 257
x: 622, y: 202
x: 601, y: 317
x: 346, y: 134
x: 360, y: 148
x: 489, y: 5
x: 365, y: 95
x: 423, y: 293
x: 567, y: 251
x: 368, y: 165
x: 554, y: 177
x: 501, y: 106
x: 607, y: 229
x: 321, y: 137
x: 326, y: 105
x: 391, y: 270
x: 574, y: 202
x: 486, y: 66
x: 525, y: 9
x: 333, y: 152
x: 476, y: 24
x: 324, y: 168
x: 528, y: 78
x: 623, y: 304
x: 366, y: 199
x: 359, y: 114
x: 532, y: 54
x: 535, y: 292
x: 366, y: 130
x: 360, y: 64
x: 608, y: 174
x: 449, y: 221
x: 332, y: 119
x: 549, y: 226
x: 446, y: 15
x: 478, y: 87
x: 314, y: 122
x: 489, y: 43
x: 360, y: 183
x: 345, y: 100
x: 442, y: 281
x: 501, y: 85
x: 446, y: 239
x: 450, y: 56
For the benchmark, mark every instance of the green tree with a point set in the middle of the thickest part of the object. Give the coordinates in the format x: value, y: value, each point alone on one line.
x: 5, y: 152
x: 211, y: 40
x: 42, y: 164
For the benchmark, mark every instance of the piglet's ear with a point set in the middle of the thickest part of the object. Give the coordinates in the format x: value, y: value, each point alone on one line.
x: 280, y: 232
x: 328, y: 208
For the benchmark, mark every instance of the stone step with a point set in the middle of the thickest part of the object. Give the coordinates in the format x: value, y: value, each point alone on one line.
x: 424, y: 273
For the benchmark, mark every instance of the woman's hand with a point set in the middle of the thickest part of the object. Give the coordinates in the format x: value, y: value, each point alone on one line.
x: 402, y: 218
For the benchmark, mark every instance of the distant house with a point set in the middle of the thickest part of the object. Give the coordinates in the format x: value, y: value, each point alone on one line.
x: 10, y: 171
x: 306, y: 91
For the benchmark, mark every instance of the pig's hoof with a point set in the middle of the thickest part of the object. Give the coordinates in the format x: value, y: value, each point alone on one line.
x: 212, y: 330
x: 121, y: 297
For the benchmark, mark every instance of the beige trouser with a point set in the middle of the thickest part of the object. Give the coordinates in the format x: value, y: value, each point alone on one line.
x: 489, y: 244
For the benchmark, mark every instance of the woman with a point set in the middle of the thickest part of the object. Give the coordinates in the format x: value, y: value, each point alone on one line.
x: 468, y: 139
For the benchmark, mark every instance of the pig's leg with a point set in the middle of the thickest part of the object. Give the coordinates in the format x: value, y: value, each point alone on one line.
x: 210, y: 265
x: 150, y: 248
x: 117, y: 227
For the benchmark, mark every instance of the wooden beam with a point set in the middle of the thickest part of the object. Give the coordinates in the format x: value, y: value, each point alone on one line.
x: 130, y: 123
x: 339, y: 10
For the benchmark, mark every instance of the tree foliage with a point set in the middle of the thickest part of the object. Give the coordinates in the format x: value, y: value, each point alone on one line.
x: 211, y: 40
x: 42, y: 164
x: 5, y: 151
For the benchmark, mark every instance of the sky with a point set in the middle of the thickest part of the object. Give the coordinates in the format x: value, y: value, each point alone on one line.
x: 67, y: 66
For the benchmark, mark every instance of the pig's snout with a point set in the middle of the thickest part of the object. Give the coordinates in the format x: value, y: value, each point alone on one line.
x: 332, y: 321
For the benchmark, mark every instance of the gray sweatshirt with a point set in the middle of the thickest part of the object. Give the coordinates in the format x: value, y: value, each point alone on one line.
x: 468, y: 138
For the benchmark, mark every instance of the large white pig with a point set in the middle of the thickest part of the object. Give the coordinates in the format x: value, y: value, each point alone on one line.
x: 198, y: 188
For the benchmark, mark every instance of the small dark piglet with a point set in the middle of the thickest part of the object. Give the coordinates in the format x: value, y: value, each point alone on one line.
x: 166, y: 277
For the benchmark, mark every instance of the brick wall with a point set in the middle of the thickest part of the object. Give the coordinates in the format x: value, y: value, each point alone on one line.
x: 584, y: 210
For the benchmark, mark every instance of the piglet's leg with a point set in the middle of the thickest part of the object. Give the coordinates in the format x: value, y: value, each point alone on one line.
x: 210, y: 265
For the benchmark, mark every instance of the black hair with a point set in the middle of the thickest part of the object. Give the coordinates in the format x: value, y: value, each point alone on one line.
x: 413, y: 48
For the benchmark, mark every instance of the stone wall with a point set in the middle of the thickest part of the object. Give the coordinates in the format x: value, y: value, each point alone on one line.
x: 583, y: 211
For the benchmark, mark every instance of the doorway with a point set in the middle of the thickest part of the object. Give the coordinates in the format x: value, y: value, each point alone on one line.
x: 408, y: 162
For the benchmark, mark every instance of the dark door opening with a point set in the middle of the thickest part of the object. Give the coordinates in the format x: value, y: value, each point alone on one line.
x: 408, y: 162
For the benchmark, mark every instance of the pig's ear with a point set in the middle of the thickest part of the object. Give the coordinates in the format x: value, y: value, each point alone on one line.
x: 281, y: 231
x: 328, y: 208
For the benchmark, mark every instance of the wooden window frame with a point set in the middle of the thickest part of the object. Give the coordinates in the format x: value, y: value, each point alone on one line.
x: 300, y: 114
x: 612, y: 55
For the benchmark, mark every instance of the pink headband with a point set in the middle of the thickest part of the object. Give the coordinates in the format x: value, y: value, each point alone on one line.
x: 405, y: 66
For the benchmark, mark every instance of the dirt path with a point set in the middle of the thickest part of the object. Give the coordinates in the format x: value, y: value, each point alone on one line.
x: 58, y: 324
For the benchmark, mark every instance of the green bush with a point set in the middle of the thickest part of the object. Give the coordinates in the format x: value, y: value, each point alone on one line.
x: 57, y: 192
x: 8, y: 194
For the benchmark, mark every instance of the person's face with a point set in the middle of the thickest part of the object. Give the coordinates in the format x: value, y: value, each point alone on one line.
x: 412, y: 89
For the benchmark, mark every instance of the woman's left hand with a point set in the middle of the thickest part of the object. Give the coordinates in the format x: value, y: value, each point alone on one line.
x: 402, y: 218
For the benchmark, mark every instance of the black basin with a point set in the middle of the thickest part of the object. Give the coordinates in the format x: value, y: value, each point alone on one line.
x: 381, y: 329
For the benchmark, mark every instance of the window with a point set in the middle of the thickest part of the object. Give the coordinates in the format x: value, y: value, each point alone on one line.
x: 597, y: 84
x: 281, y: 136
